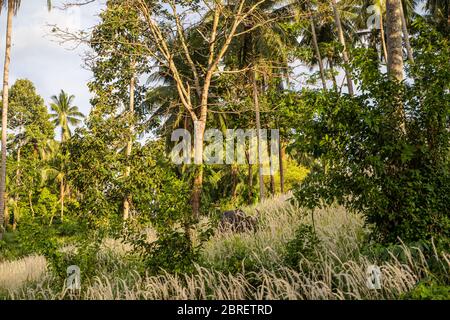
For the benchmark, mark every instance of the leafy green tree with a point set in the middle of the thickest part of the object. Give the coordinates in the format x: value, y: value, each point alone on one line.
x: 398, y: 178
x: 56, y: 171
x: 30, y: 121
x: 118, y: 64
x: 12, y: 7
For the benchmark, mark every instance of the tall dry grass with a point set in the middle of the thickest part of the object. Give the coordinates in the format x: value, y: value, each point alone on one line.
x: 340, y: 232
x: 338, y: 270
x: 326, y: 282
x: 15, y: 274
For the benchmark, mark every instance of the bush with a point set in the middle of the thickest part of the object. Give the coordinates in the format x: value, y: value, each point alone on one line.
x: 35, y: 237
x: 304, y: 245
x: 429, y: 290
x: 385, y: 151
x: 172, y: 252
x: 238, y: 258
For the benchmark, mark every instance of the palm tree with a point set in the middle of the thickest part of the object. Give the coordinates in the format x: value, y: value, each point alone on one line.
x: 266, y: 50
x: 56, y: 171
x: 406, y: 34
x: 321, y: 15
x: 317, y: 51
x: 65, y: 114
x: 394, y: 38
x: 12, y: 7
x: 440, y: 12
x: 337, y: 20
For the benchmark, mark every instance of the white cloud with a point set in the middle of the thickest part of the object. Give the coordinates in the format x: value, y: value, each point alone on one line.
x: 37, y: 56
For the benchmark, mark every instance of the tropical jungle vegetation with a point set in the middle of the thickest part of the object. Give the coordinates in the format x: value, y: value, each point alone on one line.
x: 359, y: 91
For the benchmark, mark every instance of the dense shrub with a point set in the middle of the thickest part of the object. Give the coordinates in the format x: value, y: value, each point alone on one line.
x: 384, y: 151
x: 303, y: 246
x: 429, y: 289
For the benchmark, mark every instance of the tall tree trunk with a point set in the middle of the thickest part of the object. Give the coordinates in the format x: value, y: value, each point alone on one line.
x: 282, y: 157
x: 333, y: 77
x: 127, y: 200
x: 250, y: 178
x: 199, y: 128
x: 61, y: 197
x: 63, y: 133
x: 395, y: 52
x: 18, y: 172
x: 448, y: 16
x: 259, y: 142
x: 5, y: 112
x: 7, y: 217
x: 234, y: 178
x: 383, y: 40
x: 272, y: 185
x: 406, y: 35
x: 316, y: 49
x: 337, y: 20
x: 394, y: 39
x: 17, y: 197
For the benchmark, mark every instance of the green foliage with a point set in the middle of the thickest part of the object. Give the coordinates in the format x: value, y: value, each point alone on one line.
x: 166, y: 207
x: 238, y: 258
x: 429, y: 289
x: 47, y: 206
x: 385, y: 151
x: 171, y: 252
x: 36, y: 236
x: 303, y: 246
x: 27, y: 112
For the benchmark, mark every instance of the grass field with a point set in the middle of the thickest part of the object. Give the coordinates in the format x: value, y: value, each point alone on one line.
x: 244, y: 266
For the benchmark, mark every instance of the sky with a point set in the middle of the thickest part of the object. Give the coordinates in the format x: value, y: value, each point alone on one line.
x: 37, y: 56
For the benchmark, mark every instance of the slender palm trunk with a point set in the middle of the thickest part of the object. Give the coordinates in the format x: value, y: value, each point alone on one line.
x: 333, y: 77
x: 61, y: 197
x: 394, y: 39
x: 129, y: 149
x: 395, y: 52
x: 272, y: 185
x: 250, y: 178
x: 282, y: 156
x: 383, y: 40
x: 337, y: 20
x: 316, y: 49
x: 234, y: 177
x: 259, y: 142
x: 406, y: 35
x: 18, y: 174
x: 5, y: 112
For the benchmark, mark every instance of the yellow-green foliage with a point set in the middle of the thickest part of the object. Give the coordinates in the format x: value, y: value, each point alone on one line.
x: 293, y: 174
